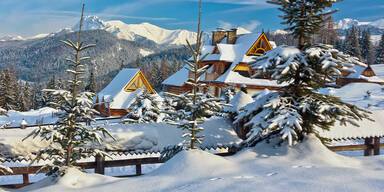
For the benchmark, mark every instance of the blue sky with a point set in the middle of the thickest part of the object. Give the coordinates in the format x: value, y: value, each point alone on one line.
x: 31, y: 17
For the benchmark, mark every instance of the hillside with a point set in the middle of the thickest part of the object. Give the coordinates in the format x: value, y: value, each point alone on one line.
x: 38, y: 59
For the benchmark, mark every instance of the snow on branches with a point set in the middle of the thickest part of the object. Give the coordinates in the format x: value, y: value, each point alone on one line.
x: 70, y: 138
x: 298, y: 110
x: 147, y: 108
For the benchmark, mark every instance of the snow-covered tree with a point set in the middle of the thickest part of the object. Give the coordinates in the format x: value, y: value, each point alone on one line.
x: 366, y: 46
x: 91, y: 87
x: 147, y: 108
x: 193, y: 108
x: 298, y: 110
x: 380, y: 51
x: 4, y: 169
x: 351, y: 43
x: 70, y: 138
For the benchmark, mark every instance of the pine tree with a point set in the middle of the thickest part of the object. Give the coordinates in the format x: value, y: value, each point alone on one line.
x: 298, y: 110
x: 380, y: 51
x: 4, y: 169
x: 70, y: 139
x: 147, y: 108
x: 194, y: 107
x: 299, y: 13
x: 351, y: 42
x: 366, y: 46
x: 91, y: 87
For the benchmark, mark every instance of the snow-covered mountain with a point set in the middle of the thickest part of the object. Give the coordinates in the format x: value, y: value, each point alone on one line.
x: 348, y: 23
x: 133, y: 32
x: 11, y: 38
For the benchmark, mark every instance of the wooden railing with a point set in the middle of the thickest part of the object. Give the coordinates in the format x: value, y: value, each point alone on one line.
x: 370, y: 147
x: 98, y: 165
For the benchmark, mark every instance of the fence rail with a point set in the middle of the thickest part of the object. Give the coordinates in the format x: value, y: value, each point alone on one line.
x: 98, y: 165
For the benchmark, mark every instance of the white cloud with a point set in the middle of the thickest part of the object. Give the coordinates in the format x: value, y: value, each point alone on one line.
x: 225, y: 25
x: 251, y: 26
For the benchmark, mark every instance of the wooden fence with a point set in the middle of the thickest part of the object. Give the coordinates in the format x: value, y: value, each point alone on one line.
x: 98, y: 165
x: 370, y: 147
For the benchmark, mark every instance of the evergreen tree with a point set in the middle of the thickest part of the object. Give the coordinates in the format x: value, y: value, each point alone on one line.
x: 298, y: 110
x: 147, y: 108
x: 194, y: 107
x: 380, y: 51
x: 70, y: 139
x: 91, y: 87
x: 351, y: 42
x: 366, y: 47
x: 4, y: 169
x: 299, y: 13
x: 52, y: 83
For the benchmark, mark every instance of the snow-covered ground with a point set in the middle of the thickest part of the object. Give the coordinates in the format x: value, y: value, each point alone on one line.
x: 308, y: 166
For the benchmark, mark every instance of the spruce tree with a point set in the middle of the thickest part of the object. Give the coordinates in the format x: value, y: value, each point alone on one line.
x: 71, y: 140
x: 351, y: 42
x: 298, y: 110
x: 91, y: 87
x: 366, y: 47
x: 380, y: 51
x: 194, y: 107
x: 298, y: 14
x: 4, y: 169
x: 147, y: 108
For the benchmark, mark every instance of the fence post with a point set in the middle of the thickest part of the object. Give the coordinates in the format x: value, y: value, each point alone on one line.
x: 376, y: 146
x: 25, y: 178
x: 368, y: 143
x: 138, y: 169
x: 99, y: 164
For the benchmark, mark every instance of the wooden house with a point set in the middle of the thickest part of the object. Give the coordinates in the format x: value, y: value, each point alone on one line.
x: 370, y: 74
x: 228, y: 56
x: 120, y: 93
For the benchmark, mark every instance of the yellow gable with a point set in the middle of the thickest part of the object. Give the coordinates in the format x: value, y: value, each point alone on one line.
x: 139, y: 81
x: 260, y: 46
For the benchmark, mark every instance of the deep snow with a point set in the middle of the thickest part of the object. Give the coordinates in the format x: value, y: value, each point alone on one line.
x: 308, y: 166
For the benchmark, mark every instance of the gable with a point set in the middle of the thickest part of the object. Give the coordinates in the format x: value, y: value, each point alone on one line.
x: 260, y: 46
x: 368, y: 72
x: 137, y: 82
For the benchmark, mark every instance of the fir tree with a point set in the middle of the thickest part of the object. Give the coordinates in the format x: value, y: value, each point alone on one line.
x: 4, y: 169
x: 91, y: 87
x: 366, y: 46
x: 194, y: 107
x: 351, y: 42
x: 298, y: 110
x: 380, y: 51
x: 70, y: 139
x: 299, y: 13
x: 147, y: 108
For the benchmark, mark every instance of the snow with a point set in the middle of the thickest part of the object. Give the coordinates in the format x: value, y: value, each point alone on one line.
x: 114, y: 92
x: 144, y: 52
x: 308, y: 166
x: 231, y: 77
x: 12, y: 38
x: 240, y: 100
x: 357, y: 94
x: 347, y: 23
x: 132, y: 32
x: 39, y: 116
x: 148, y: 137
x: 178, y: 78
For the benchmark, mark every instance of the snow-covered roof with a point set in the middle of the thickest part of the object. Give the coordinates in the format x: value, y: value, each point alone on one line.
x: 231, y: 77
x: 232, y: 53
x: 114, y: 92
x: 365, y: 95
x: 177, y: 79
x: 377, y: 69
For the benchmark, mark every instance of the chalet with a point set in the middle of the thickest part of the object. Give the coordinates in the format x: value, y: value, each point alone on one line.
x: 228, y: 55
x: 370, y: 74
x: 120, y: 93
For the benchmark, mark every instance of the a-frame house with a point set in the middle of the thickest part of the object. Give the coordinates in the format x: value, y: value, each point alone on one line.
x: 120, y: 93
x: 229, y: 55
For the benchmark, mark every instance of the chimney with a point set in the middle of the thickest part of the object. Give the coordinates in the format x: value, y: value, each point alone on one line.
x: 231, y: 36
x: 218, y: 35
